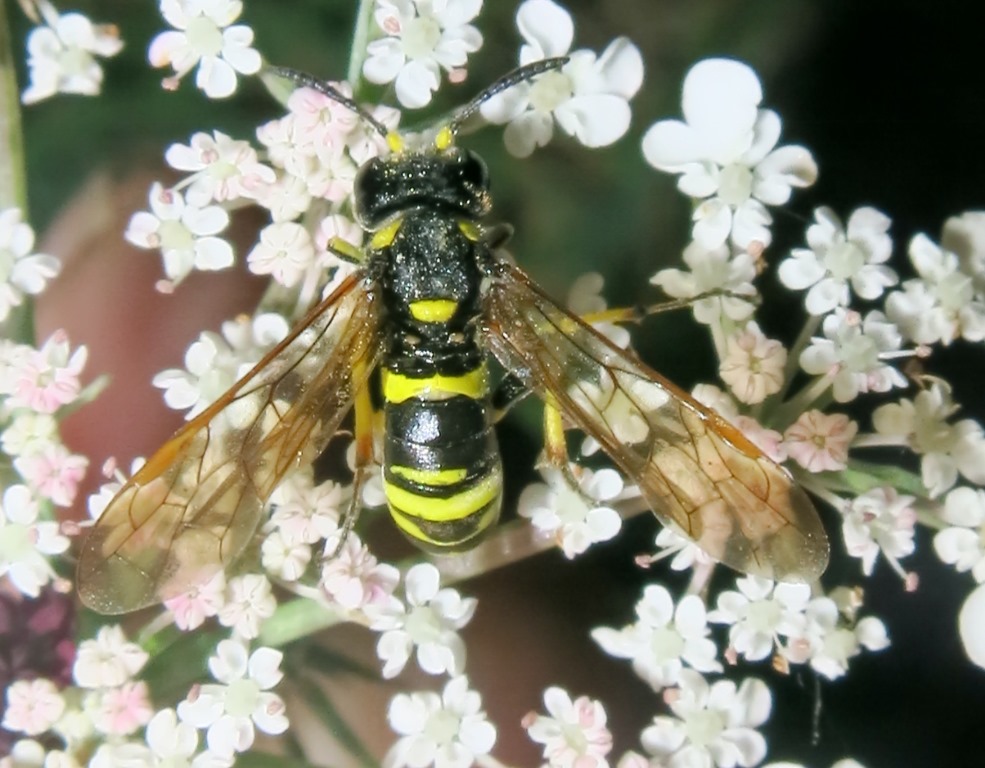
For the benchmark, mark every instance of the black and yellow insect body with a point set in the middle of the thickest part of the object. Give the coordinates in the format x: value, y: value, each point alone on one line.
x: 441, y: 465
x: 435, y: 298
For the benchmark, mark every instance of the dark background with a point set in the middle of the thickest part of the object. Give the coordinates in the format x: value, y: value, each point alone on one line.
x: 889, y: 96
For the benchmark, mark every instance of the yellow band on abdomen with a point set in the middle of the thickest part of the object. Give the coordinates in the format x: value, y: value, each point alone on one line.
x: 397, y: 388
x: 438, y: 510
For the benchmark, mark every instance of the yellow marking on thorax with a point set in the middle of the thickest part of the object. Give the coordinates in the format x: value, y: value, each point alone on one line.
x: 430, y: 477
x: 470, y: 229
x: 397, y: 388
x: 383, y: 237
x: 433, y: 310
x: 456, y: 507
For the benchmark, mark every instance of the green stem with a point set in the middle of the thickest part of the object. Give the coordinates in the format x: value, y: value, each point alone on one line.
x: 13, y: 171
x: 793, y: 362
x: 360, y: 40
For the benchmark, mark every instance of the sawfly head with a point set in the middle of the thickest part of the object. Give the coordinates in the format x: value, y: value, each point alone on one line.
x: 427, y: 169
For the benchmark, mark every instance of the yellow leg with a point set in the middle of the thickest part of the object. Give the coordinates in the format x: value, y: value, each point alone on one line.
x: 637, y: 313
x: 346, y: 250
x: 556, y: 445
x: 362, y: 409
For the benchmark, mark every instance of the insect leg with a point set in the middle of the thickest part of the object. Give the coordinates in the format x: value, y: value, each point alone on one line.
x: 346, y: 250
x: 512, y: 390
x: 556, y: 445
x: 362, y: 409
x: 638, y: 312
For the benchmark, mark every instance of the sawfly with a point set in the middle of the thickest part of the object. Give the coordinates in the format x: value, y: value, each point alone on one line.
x: 434, y: 298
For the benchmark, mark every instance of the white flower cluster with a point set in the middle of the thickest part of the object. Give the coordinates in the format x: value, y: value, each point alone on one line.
x: 62, y: 54
x: 204, y: 36
x: 859, y: 321
x: 588, y: 97
x: 109, y: 704
x: 38, y: 386
x: 671, y: 648
x: 727, y: 157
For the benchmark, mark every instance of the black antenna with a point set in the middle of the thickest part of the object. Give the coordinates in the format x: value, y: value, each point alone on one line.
x: 308, y: 81
x: 517, y: 76
x: 508, y: 80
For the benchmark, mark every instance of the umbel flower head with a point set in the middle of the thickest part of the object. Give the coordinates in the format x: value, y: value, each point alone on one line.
x: 725, y: 152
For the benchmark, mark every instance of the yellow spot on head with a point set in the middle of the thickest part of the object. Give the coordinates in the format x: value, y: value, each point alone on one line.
x: 444, y: 139
x: 433, y: 310
x: 395, y: 141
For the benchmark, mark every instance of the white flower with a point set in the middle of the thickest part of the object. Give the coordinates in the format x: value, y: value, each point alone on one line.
x: 284, y: 251
x: 120, y: 711
x: 223, y: 168
x: 941, y: 304
x: 449, y: 731
x: 837, y: 257
x: 714, y: 725
x: 963, y: 543
x: 422, y: 37
x: 819, y: 442
x: 855, y: 354
x: 588, y: 97
x: 760, y: 613
x: 428, y: 622
x: 574, y: 735
x: 44, y: 379
x: 753, y: 365
x: 663, y: 639
x: 232, y: 711
x: 964, y: 236
x: 185, y: 233
x: 32, y: 706
x: 713, y: 270
x: 108, y: 660
x: 203, y: 36
x: 879, y: 520
x: 725, y: 154
x: 574, y: 516
x: 26, y: 542
x: 174, y: 744
x: 62, y: 54
x: 21, y: 272
x: 305, y: 512
x: 191, y: 609
x: 53, y: 473
x: 830, y: 642
x: 355, y: 579
x: 214, y: 363
x: 120, y: 753
x: 971, y: 626
x: 686, y: 554
x: 947, y: 449
x: 284, y: 559
x: 29, y: 433
x: 249, y: 601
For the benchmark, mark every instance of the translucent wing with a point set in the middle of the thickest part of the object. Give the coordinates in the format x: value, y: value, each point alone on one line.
x: 196, y: 503
x: 697, y: 472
